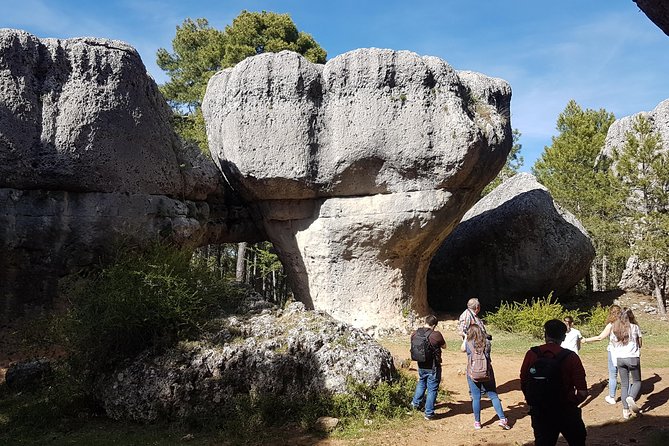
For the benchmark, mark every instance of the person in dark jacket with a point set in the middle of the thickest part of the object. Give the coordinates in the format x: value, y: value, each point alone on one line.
x: 429, y: 373
x: 563, y: 416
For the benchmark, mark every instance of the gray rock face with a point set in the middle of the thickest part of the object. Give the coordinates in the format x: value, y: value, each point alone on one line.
x: 657, y: 12
x: 82, y: 115
x: 637, y: 276
x: 514, y: 244
x: 359, y: 168
x: 658, y: 118
x: 292, y: 353
x: 88, y: 158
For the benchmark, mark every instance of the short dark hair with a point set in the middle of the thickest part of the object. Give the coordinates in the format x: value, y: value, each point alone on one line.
x: 431, y: 320
x: 569, y: 319
x: 555, y: 329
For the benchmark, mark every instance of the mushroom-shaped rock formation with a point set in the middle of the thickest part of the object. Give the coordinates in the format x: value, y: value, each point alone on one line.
x: 514, y: 244
x: 88, y: 158
x: 359, y: 168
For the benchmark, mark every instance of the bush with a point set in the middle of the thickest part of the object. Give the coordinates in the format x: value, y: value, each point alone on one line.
x: 524, y: 317
x: 142, y: 300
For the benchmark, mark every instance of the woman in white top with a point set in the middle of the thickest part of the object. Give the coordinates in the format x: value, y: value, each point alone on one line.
x: 614, y: 315
x: 626, y: 341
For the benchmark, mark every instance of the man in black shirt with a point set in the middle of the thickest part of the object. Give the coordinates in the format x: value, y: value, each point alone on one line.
x: 429, y: 373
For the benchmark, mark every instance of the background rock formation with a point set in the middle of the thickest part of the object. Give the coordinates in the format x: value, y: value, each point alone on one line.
x: 657, y: 11
x: 358, y: 168
x: 88, y: 159
x: 292, y: 354
x: 514, y: 244
x: 637, y: 275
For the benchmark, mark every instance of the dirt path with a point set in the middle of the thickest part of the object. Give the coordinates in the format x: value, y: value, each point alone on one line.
x: 454, y: 420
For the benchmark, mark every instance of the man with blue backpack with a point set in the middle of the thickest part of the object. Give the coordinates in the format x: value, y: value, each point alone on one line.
x: 426, y: 345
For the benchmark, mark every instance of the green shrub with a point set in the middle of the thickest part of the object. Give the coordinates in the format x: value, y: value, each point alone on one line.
x: 595, y: 321
x: 150, y: 299
x: 524, y: 317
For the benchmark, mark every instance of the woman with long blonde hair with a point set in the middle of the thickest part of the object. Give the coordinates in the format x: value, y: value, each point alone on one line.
x: 476, y: 340
x: 626, y: 340
x: 614, y: 315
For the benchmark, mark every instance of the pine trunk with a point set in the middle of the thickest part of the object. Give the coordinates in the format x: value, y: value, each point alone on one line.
x: 241, y: 254
x: 659, y: 287
x: 593, y: 276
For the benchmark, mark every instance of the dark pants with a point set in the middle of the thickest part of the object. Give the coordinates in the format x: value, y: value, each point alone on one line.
x: 567, y: 421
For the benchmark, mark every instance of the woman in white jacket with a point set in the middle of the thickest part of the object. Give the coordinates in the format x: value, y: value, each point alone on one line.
x: 626, y: 342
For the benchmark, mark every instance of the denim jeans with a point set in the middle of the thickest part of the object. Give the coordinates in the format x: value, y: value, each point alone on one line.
x: 613, y: 372
x: 476, y: 390
x: 627, y: 367
x: 428, y: 379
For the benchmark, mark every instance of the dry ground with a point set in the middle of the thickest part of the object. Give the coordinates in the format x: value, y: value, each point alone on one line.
x: 454, y: 421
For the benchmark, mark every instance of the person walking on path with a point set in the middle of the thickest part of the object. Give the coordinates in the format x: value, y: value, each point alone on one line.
x: 429, y: 372
x: 560, y: 376
x: 470, y: 317
x: 573, y: 338
x: 626, y: 340
x: 614, y: 315
x: 477, y: 343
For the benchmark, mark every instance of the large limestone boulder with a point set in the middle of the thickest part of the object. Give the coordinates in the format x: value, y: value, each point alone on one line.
x: 514, y: 244
x: 88, y: 160
x: 359, y: 168
x: 657, y: 11
x: 294, y: 354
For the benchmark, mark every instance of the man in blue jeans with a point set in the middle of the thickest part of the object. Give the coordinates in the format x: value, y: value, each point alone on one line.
x: 429, y: 373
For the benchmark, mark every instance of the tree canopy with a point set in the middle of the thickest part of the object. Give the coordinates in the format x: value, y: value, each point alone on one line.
x: 199, y: 51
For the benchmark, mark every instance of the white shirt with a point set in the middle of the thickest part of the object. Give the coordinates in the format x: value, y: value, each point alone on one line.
x: 629, y: 350
x: 571, y: 340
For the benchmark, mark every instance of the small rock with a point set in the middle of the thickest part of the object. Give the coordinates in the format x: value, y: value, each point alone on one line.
x: 27, y: 374
x: 327, y: 424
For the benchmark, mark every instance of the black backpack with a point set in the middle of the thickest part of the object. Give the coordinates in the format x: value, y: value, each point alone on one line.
x: 544, y: 388
x: 421, y: 349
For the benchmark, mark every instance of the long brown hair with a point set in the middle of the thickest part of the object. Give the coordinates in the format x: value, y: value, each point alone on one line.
x: 614, y: 314
x: 621, y: 328
x: 476, y: 336
x: 631, y: 316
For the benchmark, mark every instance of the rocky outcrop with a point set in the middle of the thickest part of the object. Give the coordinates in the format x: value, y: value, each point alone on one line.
x: 658, y: 118
x: 358, y: 168
x: 657, y: 11
x: 292, y: 353
x: 88, y: 159
x: 637, y: 275
x: 514, y: 244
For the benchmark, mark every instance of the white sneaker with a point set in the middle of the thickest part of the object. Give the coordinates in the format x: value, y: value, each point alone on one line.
x: 632, y: 404
x: 626, y: 414
x: 609, y: 400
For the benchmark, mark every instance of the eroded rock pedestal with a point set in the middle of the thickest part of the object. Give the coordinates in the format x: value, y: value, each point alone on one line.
x: 359, y: 168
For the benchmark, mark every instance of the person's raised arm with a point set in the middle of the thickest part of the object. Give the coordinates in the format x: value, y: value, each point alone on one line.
x: 603, y: 335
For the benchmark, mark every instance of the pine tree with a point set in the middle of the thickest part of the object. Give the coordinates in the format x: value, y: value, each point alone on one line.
x: 643, y: 169
x: 583, y: 183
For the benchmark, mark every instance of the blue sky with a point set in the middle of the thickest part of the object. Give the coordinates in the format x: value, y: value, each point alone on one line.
x: 601, y: 53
